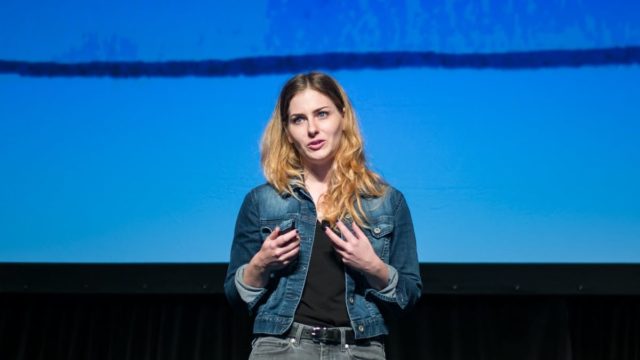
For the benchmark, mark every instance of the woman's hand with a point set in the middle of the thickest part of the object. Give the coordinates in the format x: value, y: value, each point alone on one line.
x: 277, y: 251
x: 356, y: 252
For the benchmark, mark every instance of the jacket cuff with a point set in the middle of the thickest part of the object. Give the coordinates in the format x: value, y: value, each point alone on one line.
x: 248, y: 294
x: 389, y: 292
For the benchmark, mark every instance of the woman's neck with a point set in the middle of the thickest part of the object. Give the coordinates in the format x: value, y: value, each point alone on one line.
x: 316, y: 180
x: 317, y: 174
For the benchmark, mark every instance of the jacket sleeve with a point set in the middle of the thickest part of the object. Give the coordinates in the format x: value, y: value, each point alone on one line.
x: 403, y: 258
x: 246, y: 243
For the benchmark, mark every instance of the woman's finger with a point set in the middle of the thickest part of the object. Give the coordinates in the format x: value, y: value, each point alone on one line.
x: 288, y: 256
x: 359, y: 234
x: 335, y: 239
x: 289, y: 246
x: 343, y: 255
x: 346, y: 233
x: 274, y: 234
x: 285, y: 238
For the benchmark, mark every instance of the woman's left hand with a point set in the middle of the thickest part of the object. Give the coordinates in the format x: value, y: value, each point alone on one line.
x: 356, y: 252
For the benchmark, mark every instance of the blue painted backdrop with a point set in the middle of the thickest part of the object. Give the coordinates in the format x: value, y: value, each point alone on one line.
x: 498, y: 164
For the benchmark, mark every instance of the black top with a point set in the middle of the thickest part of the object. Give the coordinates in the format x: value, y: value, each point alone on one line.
x: 323, y: 300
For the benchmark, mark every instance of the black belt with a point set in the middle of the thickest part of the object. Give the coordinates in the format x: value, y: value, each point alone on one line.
x: 326, y: 335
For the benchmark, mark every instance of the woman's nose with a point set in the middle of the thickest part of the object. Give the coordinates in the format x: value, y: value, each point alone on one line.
x: 312, y: 128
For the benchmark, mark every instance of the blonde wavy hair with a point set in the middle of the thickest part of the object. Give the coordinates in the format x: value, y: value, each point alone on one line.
x: 350, y: 178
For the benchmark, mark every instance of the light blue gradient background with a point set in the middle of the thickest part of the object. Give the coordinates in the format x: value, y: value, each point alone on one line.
x: 497, y: 166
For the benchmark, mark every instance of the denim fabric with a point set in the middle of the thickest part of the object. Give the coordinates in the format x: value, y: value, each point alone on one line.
x: 269, y: 347
x: 249, y: 293
x: 390, y: 230
x: 294, y: 347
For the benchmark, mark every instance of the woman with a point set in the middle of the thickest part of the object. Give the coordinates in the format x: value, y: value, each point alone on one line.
x: 325, y: 250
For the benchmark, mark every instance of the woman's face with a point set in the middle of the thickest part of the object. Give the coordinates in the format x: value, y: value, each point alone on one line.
x: 314, y: 127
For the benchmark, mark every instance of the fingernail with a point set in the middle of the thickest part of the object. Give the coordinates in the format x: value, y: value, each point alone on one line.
x: 325, y: 224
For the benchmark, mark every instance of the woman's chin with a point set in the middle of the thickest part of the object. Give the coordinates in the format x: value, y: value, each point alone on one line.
x: 318, y: 159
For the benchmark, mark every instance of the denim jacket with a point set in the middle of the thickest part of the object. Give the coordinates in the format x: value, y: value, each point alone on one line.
x: 389, y: 228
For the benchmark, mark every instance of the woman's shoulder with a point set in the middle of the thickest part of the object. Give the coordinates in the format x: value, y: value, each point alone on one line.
x: 266, y: 192
x: 264, y: 189
x: 389, y: 200
x: 390, y: 190
x: 392, y: 194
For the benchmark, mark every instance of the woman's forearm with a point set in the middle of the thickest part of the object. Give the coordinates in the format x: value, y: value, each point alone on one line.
x: 255, y: 274
x: 378, y: 277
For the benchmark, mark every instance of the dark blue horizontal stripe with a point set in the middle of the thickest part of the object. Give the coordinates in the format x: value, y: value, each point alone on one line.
x: 266, y: 65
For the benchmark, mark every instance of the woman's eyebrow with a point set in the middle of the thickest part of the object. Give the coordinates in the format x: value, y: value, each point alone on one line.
x: 314, y: 111
x: 320, y: 109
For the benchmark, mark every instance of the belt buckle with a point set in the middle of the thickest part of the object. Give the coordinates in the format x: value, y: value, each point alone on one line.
x: 318, y: 334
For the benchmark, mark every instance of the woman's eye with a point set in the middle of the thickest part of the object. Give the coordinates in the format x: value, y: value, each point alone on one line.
x: 323, y: 114
x: 296, y: 120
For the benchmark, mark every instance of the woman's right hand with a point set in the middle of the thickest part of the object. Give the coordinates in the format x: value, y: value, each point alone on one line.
x: 277, y: 251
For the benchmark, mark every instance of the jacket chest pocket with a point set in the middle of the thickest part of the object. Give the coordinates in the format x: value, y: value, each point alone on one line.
x: 286, y: 223
x: 267, y: 226
x: 379, y: 233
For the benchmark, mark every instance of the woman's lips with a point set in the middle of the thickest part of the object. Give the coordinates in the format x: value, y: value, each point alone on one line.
x: 315, y: 145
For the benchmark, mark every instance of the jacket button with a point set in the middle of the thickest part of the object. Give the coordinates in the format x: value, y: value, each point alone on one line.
x: 361, y: 328
x: 376, y: 230
x: 351, y: 300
